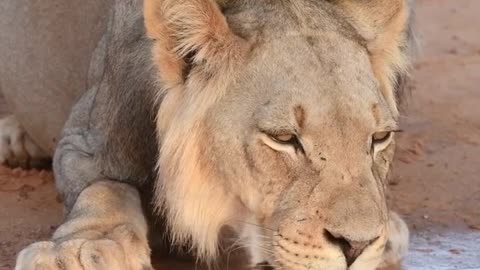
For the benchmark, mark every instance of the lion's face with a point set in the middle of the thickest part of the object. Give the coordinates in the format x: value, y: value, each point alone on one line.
x: 287, y: 136
x: 304, y: 140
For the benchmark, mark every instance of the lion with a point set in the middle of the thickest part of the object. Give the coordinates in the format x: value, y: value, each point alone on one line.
x: 275, y: 120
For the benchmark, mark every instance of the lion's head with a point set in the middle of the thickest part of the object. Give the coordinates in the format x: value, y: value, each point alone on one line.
x: 277, y: 118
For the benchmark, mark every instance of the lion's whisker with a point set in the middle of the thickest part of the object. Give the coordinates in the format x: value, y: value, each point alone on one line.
x: 255, y: 225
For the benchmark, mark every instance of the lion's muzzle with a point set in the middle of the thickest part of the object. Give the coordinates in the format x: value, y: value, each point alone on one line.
x: 332, y: 232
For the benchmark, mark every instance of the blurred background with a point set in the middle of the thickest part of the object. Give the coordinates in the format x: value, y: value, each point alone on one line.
x: 436, y: 175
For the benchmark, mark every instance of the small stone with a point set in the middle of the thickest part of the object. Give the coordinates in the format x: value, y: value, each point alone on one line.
x: 453, y: 51
x: 475, y: 227
x: 455, y: 251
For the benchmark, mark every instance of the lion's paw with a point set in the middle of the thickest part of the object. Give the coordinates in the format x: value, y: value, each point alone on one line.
x: 122, y: 249
x: 16, y: 148
x: 397, y: 244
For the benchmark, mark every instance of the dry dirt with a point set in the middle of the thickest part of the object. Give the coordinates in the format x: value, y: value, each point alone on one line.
x: 436, y: 177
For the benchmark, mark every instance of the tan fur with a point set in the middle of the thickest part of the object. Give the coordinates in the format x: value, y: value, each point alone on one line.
x: 181, y: 27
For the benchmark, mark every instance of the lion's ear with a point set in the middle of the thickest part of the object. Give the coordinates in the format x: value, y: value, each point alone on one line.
x: 188, y: 34
x: 384, y: 24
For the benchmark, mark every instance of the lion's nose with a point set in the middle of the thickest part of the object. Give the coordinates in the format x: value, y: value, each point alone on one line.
x: 351, y: 249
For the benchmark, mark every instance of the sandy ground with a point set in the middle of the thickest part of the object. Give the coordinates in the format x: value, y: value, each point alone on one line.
x: 436, y: 177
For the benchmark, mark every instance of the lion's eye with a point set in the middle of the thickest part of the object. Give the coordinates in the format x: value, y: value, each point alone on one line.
x: 284, y: 138
x: 284, y: 142
x: 381, y: 137
x: 381, y: 140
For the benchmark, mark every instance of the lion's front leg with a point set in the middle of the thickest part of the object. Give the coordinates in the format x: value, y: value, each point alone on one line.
x: 105, y: 229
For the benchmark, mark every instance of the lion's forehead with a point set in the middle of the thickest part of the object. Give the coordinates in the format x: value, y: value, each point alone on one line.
x: 320, y: 80
x: 326, y: 65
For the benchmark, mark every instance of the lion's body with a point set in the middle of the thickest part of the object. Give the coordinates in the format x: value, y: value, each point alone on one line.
x: 104, y: 98
x: 46, y: 54
x: 132, y: 102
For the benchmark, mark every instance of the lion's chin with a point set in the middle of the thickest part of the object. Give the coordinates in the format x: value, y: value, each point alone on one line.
x: 267, y: 266
x: 292, y: 266
x: 339, y: 263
